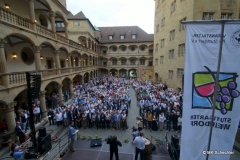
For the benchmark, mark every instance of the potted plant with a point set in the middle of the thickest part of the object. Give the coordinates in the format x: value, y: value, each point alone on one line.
x: 105, y: 139
x: 126, y: 140
x: 78, y: 135
x: 89, y: 137
x: 96, y: 136
x: 83, y: 137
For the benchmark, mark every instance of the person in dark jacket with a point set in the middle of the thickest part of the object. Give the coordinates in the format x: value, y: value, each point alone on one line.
x: 50, y: 117
x: 114, y: 143
x: 169, y: 119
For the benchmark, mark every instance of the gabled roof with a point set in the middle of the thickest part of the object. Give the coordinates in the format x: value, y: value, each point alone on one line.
x: 79, y: 15
x: 127, y: 31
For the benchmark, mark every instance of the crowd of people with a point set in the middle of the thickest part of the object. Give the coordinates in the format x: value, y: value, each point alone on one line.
x: 103, y: 104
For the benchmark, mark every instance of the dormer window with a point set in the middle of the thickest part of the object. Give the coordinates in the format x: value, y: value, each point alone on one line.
x: 134, y: 36
x: 122, y: 37
x: 110, y: 37
x: 76, y: 24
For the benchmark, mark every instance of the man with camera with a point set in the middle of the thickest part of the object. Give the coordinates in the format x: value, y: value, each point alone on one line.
x: 114, y: 143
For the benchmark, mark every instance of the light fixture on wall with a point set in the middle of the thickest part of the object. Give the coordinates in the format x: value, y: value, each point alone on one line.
x: 7, y: 6
x: 41, y: 57
x: 14, y: 55
x: 74, y: 60
x: 66, y: 59
x: 35, y: 21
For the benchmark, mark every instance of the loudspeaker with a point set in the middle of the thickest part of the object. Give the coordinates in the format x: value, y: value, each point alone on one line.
x: 96, y: 142
x: 42, y: 131
x: 175, y: 141
x: 44, y: 144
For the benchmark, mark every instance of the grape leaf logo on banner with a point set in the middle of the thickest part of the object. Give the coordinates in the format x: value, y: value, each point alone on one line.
x: 235, y: 38
x: 203, y: 90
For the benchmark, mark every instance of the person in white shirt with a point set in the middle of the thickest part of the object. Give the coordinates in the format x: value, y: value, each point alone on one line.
x: 59, y: 118
x: 139, y: 142
x: 161, y: 120
x: 36, y: 111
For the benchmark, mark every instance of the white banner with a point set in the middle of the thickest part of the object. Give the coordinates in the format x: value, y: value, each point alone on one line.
x: 202, y: 49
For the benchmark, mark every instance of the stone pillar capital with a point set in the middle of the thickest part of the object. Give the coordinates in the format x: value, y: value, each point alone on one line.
x: 9, y: 107
x: 2, y: 42
x: 56, y: 52
x: 52, y: 14
x: 66, y: 24
x: 36, y: 48
x: 42, y: 93
x: 60, y: 86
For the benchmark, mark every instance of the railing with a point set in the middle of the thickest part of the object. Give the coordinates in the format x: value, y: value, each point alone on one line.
x: 61, y: 38
x: 12, y: 18
x: 17, y: 78
x: 57, y: 148
x: 44, y: 31
x: 75, y: 44
x: 49, y: 73
x: 65, y: 70
x: 75, y: 69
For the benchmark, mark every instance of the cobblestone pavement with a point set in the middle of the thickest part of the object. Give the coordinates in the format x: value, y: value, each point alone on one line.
x: 126, y: 134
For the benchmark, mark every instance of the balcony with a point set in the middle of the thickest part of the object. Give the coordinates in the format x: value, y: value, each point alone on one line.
x: 11, y: 19
x: 19, y: 78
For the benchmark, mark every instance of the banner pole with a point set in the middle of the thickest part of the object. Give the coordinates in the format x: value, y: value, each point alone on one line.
x: 215, y: 87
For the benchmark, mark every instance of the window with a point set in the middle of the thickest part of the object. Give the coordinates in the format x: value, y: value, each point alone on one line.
x: 142, y: 48
x: 162, y: 43
x: 161, y: 59
x: 170, y: 74
x: 104, y: 51
x: 110, y: 37
x: 132, y: 62
x: 132, y: 48
x: 179, y: 73
x: 181, y: 50
x: 157, y: 28
x: 123, y: 62
x: 226, y: 16
x: 122, y: 37
x: 173, y: 6
x: 156, y: 62
x: 171, y: 54
x: 172, y: 35
x: 114, y: 49
x: 156, y: 48
x: 62, y: 62
x: 142, y: 61
x: 182, y: 26
x: 207, y: 16
x: 134, y: 36
x: 114, y: 62
x: 123, y: 48
x: 163, y: 22
x: 76, y: 24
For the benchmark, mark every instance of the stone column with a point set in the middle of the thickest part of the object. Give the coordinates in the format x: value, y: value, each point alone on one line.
x: 36, y: 50
x: 69, y: 62
x: 57, y: 61
x: 43, y: 103
x: 32, y: 13
x: 52, y: 17
x: 66, y: 29
x: 71, y: 88
x: 60, y: 93
x: 82, y: 80
x: 9, y: 116
x: 3, y: 64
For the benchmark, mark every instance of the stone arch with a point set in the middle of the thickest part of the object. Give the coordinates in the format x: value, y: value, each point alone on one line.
x: 20, y: 37
x: 46, y: 43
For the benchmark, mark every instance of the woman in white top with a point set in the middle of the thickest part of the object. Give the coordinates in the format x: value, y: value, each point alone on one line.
x: 161, y: 120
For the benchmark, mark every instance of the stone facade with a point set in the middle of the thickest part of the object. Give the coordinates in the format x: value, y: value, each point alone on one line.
x: 169, y: 33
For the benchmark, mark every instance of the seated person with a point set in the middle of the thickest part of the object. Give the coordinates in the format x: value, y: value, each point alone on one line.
x: 3, y: 126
